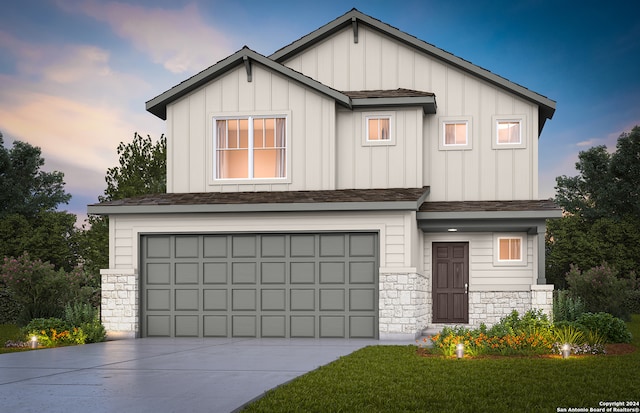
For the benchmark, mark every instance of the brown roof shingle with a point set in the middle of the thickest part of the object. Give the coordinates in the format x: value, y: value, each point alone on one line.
x: 392, y: 93
x: 479, y: 206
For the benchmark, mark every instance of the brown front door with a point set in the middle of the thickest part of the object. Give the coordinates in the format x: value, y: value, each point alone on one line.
x: 451, y: 282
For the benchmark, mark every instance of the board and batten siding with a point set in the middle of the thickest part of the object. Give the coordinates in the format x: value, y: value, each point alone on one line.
x: 398, y: 238
x: 379, y: 166
x: 483, y: 274
x: 311, y: 132
x: 480, y: 173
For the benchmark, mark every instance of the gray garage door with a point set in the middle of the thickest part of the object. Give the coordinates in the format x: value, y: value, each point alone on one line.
x: 266, y: 285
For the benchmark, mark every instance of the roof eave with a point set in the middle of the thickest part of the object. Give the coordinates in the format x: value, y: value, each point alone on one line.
x: 428, y: 103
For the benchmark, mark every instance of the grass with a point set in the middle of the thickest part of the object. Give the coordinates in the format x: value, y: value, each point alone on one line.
x: 396, y: 379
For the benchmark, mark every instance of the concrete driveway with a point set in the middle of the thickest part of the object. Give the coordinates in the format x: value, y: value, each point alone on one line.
x: 159, y: 375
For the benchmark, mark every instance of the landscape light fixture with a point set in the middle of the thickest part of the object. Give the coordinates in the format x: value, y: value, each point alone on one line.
x: 34, y: 342
x: 566, y: 350
x: 460, y: 350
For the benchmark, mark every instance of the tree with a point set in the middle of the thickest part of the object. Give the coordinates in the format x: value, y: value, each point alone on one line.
x: 142, y: 170
x: 28, y: 201
x: 602, y: 206
x: 24, y: 188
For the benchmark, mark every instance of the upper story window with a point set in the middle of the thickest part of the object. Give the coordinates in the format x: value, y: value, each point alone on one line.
x: 455, y: 133
x: 250, y: 147
x: 509, y: 132
x: 378, y: 129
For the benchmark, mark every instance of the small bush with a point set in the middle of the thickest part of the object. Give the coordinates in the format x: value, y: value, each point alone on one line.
x: 513, y: 324
x: 601, y: 289
x: 52, y: 332
x: 611, y: 328
x: 566, y: 307
x: 86, y: 317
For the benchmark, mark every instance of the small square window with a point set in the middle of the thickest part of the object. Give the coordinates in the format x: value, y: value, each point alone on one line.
x: 510, y: 249
x: 509, y: 132
x: 455, y: 133
x: 378, y: 129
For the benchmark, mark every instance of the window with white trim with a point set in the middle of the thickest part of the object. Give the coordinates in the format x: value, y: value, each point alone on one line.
x: 252, y: 147
x: 509, y: 132
x: 455, y: 133
x: 378, y: 129
x: 510, y: 249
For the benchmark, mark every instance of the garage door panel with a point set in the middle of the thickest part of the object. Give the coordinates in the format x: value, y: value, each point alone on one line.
x: 187, y: 326
x: 303, y: 300
x: 260, y: 285
x: 187, y: 247
x: 215, y: 273
x: 158, y: 273
x: 332, y: 273
x: 273, y: 246
x: 303, y: 273
x: 243, y: 325
x: 215, y: 326
x: 303, y: 326
x: 187, y: 300
x: 158, y: 246
x: 273, y: 272
x: 158, y: 326
x: 243, y: 273
x: 187, y: 273
x: 273, y: 326
x: 273, y: 300
x: 243, y: 246
x: 332, y: 299
x: 362, y: 327
x: 303, y: 246
x: 332, y: 326
x: 158, y: 300
x: 332, y: 246
x: 243, y: 300
x: 215, y: 246
x: 215, y: 300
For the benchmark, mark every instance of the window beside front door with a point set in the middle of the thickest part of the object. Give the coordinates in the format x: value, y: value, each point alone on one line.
x: 253, y: 147
x: 510, y: 249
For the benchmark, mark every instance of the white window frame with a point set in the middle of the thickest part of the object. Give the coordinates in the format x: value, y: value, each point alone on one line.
x: 523, y: 249
x: 444, y: 121
x: 497, y: 120
x: 378, y: 115
x: 249, y: 117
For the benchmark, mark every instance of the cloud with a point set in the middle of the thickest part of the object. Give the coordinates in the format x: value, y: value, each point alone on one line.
x: 178, y: 39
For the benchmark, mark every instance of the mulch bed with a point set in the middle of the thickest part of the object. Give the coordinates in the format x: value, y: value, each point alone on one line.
x: 617, y: 349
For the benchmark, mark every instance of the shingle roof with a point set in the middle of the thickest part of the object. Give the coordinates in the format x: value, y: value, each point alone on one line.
x: 276, y: 197
x: 393, y: 93
x: 493, y: 206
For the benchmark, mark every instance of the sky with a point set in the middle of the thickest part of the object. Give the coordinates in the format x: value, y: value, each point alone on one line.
x: 75, y: 74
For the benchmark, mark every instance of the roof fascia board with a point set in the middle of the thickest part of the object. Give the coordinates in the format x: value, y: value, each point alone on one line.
x: 547, y: 105
x: 530, y: 226
x: 428, y: 103
x: 158, y: 105
x: 220, y: 208
x: 484, y: 215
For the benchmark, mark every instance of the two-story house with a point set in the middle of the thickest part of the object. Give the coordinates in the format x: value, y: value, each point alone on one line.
x: 358, y: 182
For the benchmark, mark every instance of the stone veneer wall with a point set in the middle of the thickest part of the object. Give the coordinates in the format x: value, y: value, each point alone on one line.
x: 402, y: 310
x: 490, y: 306
x: 120, y: 300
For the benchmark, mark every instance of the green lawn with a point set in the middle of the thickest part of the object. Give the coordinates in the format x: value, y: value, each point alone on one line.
x: 395, y: 379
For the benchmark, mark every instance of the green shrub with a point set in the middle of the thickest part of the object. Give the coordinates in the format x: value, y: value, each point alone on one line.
x: 611, y: 328
x: 9, y: 308
x: 566, y: 307
x: 513, y: 324
x: 601, y: 289
x: 86, y: 317
x: 632, y: 302
x: 52, y: 332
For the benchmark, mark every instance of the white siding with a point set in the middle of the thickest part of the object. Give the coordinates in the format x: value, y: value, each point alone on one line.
x: 398, y: 241
x: 483, y: 274
x: 376, y: 62
x: 311, y: 132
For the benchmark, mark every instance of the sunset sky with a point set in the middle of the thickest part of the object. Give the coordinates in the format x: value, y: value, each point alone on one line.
x: 75, y: 74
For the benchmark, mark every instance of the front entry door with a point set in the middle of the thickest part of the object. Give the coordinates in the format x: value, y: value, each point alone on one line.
x: 451, y: 282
